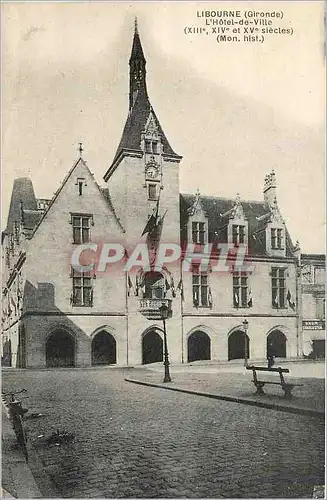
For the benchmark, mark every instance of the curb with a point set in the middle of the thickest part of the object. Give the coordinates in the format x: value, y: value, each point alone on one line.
x: 234, y: 399
x: 22, y: 479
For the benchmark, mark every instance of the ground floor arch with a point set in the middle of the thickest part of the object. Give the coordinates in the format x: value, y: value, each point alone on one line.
x: 238, y: 342
x: 60, y: 349
x: 152, y: 347
x: 103, y: 349
x: 276, y: 344
x: 198, y: 346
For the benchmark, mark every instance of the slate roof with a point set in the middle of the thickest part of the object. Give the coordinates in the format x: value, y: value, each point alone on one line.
x: 137, y: 51
x: 214, y: 207
x: 139, y: 113
x: 106, y: 195
x: 135, y: 125
x: 318, y: 258
x: 31, y: 218
x: 22, y: 197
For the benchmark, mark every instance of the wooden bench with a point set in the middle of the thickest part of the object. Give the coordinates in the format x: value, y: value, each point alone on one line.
x: 287, y: 388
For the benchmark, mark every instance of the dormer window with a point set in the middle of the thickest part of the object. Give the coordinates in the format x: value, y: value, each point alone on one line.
x: 151, y: 146
x: 276, y: 235
x: 198, y: 232
x: 238, y: 234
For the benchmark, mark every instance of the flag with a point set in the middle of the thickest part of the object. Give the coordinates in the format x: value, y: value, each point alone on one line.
x: 153, y: 238
x: 172, y: 286
x: 154, y: 234
x: 180, y: 288
x: 153, y: 221
x: 209, y: 297
x: 275, y: 301
x: 140, y: 284
x: 14, y: 304
x: 290, y: 300
x: 236, y: 301
x: 250, y: 298
x: 196, y: 297
x: 129, y: 285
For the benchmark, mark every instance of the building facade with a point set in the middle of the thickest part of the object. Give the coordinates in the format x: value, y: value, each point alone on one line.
x: 57, y: 315
x: 313, y: 304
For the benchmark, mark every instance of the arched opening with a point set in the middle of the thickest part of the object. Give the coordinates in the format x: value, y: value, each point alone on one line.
x: 198, y: 346
x: 152, y: 347
x: 153, y: 285
x: 276, y: 344
x: 103, y: 349
x: 60, y: 350
x: 7, y: 354
x: 236, y: 345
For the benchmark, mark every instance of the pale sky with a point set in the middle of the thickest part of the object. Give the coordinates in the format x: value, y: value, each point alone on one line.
x: 233, y: 111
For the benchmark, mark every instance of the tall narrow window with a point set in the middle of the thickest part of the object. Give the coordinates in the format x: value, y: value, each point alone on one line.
x: 198, y: 232
x: 240, y: 290
x: 152, y: 191
x: 276, y: 238
x: 80, y: 183
x: 238, y: 234
x: 278, y: 287
x: 154, y: 147
x: 81, y: 228
x: 200, y: 286
x: 82, y: 289
x: 148, y: 148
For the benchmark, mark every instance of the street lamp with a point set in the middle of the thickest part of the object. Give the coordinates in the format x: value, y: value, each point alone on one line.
x: 164, y: 312
x: 245, y: 324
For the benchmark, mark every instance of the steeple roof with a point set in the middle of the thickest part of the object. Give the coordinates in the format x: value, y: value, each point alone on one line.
x: 22, y: 198
x: 137, y: 51
x: 139, y: 110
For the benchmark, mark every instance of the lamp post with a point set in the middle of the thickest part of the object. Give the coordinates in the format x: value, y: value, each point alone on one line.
x: 245, y: 324
x: 164, y: 312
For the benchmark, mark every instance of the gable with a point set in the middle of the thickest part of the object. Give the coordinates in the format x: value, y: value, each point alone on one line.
x: 67, y: 201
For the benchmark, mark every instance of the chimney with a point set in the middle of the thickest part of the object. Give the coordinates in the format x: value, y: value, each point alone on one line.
x: 269, y: 188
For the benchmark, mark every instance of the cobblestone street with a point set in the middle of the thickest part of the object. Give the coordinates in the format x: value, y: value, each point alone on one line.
x: 135, y: 441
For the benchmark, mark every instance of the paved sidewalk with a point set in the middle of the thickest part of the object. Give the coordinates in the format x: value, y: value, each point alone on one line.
x: 17, y: 478
x: 234, y: 383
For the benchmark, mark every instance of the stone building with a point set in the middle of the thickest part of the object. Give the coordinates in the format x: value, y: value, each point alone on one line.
x: 313, y: 304
x: 56, y: 316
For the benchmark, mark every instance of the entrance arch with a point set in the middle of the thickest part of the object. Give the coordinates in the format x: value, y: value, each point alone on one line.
x: 276, y: 344
x: 152, y: 347
x: 60, y: 350
x: 236, y: 345
x: 103, y: 349
x: 198, y: 346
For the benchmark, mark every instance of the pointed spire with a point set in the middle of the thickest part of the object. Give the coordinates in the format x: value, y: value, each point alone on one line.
x: 137, y: 71
x: 137, y: 51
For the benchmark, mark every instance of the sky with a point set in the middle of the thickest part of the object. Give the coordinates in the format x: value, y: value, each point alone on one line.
x: 233, y: 110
